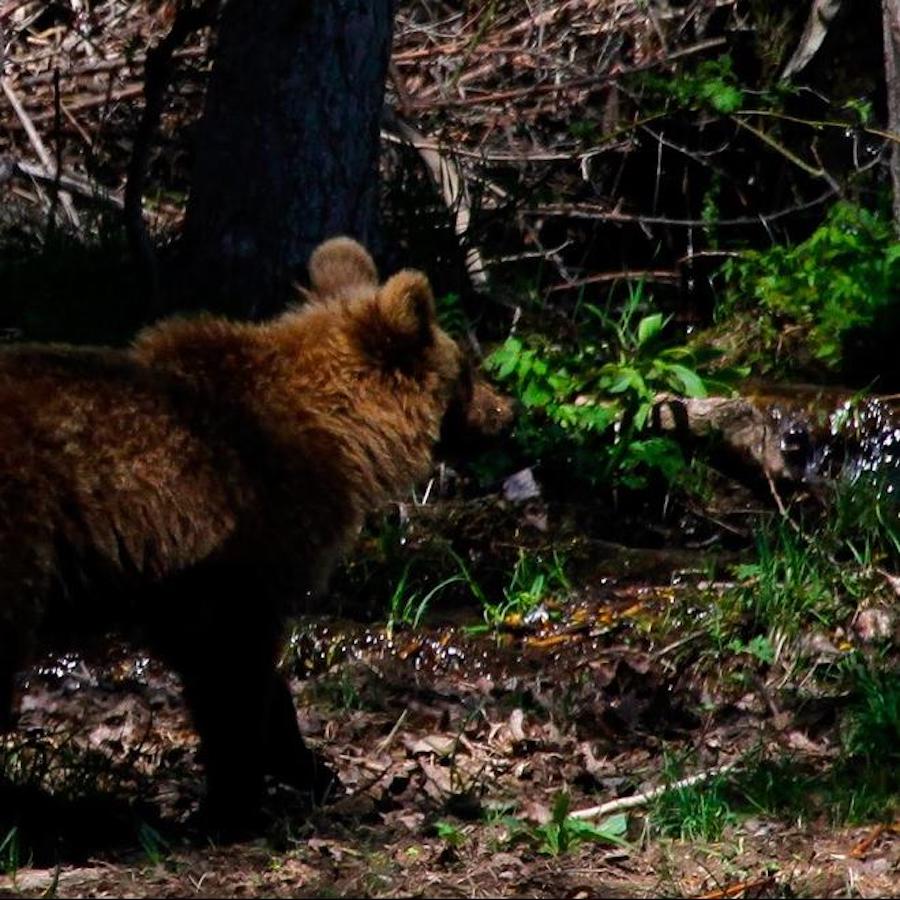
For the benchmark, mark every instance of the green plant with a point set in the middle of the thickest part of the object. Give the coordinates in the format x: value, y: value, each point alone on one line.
x: 407, y: 607
x: 699, y: 812
x: 10, y: 852
x: 848, y: 792
x: 710, y: 212
x: 451, y: 834
x: 590, y: 403
x: 155, y: 846
x: 711, y: 85
x: 862, y: 522
x: 861, y: 108
x: 861, y: 784
x: 787, y: 583
x: 773, y: 787
x: 872, y: 731
x: 759, y: 647
x: 836, y: 283
x: 451, y: 315
x: 563, y: 833
x: 341, y: 692
x: 532, y: 581
x: 812, y: 573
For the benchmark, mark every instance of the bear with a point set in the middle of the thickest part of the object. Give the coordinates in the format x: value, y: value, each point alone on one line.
x: 196, y: 489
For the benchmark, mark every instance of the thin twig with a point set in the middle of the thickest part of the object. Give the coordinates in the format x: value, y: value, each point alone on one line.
x: 776, y: 496
x: 89, y: 102
x: 590, y: 81
x: 587, y: 211
x: 40, y: 149
x: 523, y: 156
x: 822, y: 123
x: 664, y: 275
x: 386, y: 742
x: 735, y: 890
x: 789, y: 155
x: 687, y: 639
x: 157, y: 71
x: 55, y: 196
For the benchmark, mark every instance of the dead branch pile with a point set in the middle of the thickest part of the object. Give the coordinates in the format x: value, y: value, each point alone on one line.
x: 506, y: 81
x: 73, y: 79
x: 528, y: 116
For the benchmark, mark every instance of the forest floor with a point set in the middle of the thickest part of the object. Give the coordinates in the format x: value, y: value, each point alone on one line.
x: 467, y: 758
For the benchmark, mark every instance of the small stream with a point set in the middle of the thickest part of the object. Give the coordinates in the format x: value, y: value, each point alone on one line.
x: 832, y: 435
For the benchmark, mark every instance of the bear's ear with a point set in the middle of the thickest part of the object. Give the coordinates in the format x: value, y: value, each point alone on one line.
x: 338, y: 266
x: 406, y: 308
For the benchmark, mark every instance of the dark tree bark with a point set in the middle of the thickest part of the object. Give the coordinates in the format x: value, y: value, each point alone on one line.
x: 288, y: 148
x: 891, y: 15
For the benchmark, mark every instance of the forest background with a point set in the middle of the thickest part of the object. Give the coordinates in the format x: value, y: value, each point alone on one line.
x: 670, y: 231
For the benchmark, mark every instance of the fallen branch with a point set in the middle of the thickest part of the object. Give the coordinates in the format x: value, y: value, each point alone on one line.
x: 742, y: 428
x: 862, y: 847
x: 637, y: 800
x: 821, y: 15
x: 450, y: 181
x: 11, y: 167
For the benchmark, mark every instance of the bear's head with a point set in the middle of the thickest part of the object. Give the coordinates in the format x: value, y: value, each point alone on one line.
x: 397, y: 323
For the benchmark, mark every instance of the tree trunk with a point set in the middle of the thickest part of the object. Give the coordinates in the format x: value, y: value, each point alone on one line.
x: 891, y: 13
x: 287, y: 153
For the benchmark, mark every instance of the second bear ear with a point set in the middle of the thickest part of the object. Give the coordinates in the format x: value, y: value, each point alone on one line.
x: 406, y: 308
x: 339, y: 266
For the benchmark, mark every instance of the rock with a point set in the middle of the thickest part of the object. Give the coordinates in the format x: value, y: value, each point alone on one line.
x: 873, y: 624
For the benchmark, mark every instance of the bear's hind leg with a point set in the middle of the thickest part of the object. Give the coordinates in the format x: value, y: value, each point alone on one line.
x: 7, y: 693
x: 17, y: 647
x: 226, y: 694
x: 288, y: 758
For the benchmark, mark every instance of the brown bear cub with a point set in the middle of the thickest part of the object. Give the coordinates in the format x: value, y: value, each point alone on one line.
x: 198, y: 488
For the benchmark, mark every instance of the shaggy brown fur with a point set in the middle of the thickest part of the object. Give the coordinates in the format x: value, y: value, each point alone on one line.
x: 201, y: 486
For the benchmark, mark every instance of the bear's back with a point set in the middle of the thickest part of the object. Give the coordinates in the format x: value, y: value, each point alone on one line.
x: 110, y: 471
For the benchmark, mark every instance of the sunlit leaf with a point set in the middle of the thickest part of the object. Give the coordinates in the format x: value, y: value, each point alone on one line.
x: 649, y: 327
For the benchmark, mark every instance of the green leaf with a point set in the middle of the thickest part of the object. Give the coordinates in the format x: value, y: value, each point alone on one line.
x: 641, y: 415
x: 611, y: 830
x: 761, y: 647
x: 504, y: 359
x: 892, y: 254
x: 449, y: 832
x: 725, y: 98
x: 648, y: 328
x: 693, y: 383
x: 620, y: 382
x: 561, y: 804
x: 536, y: 395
